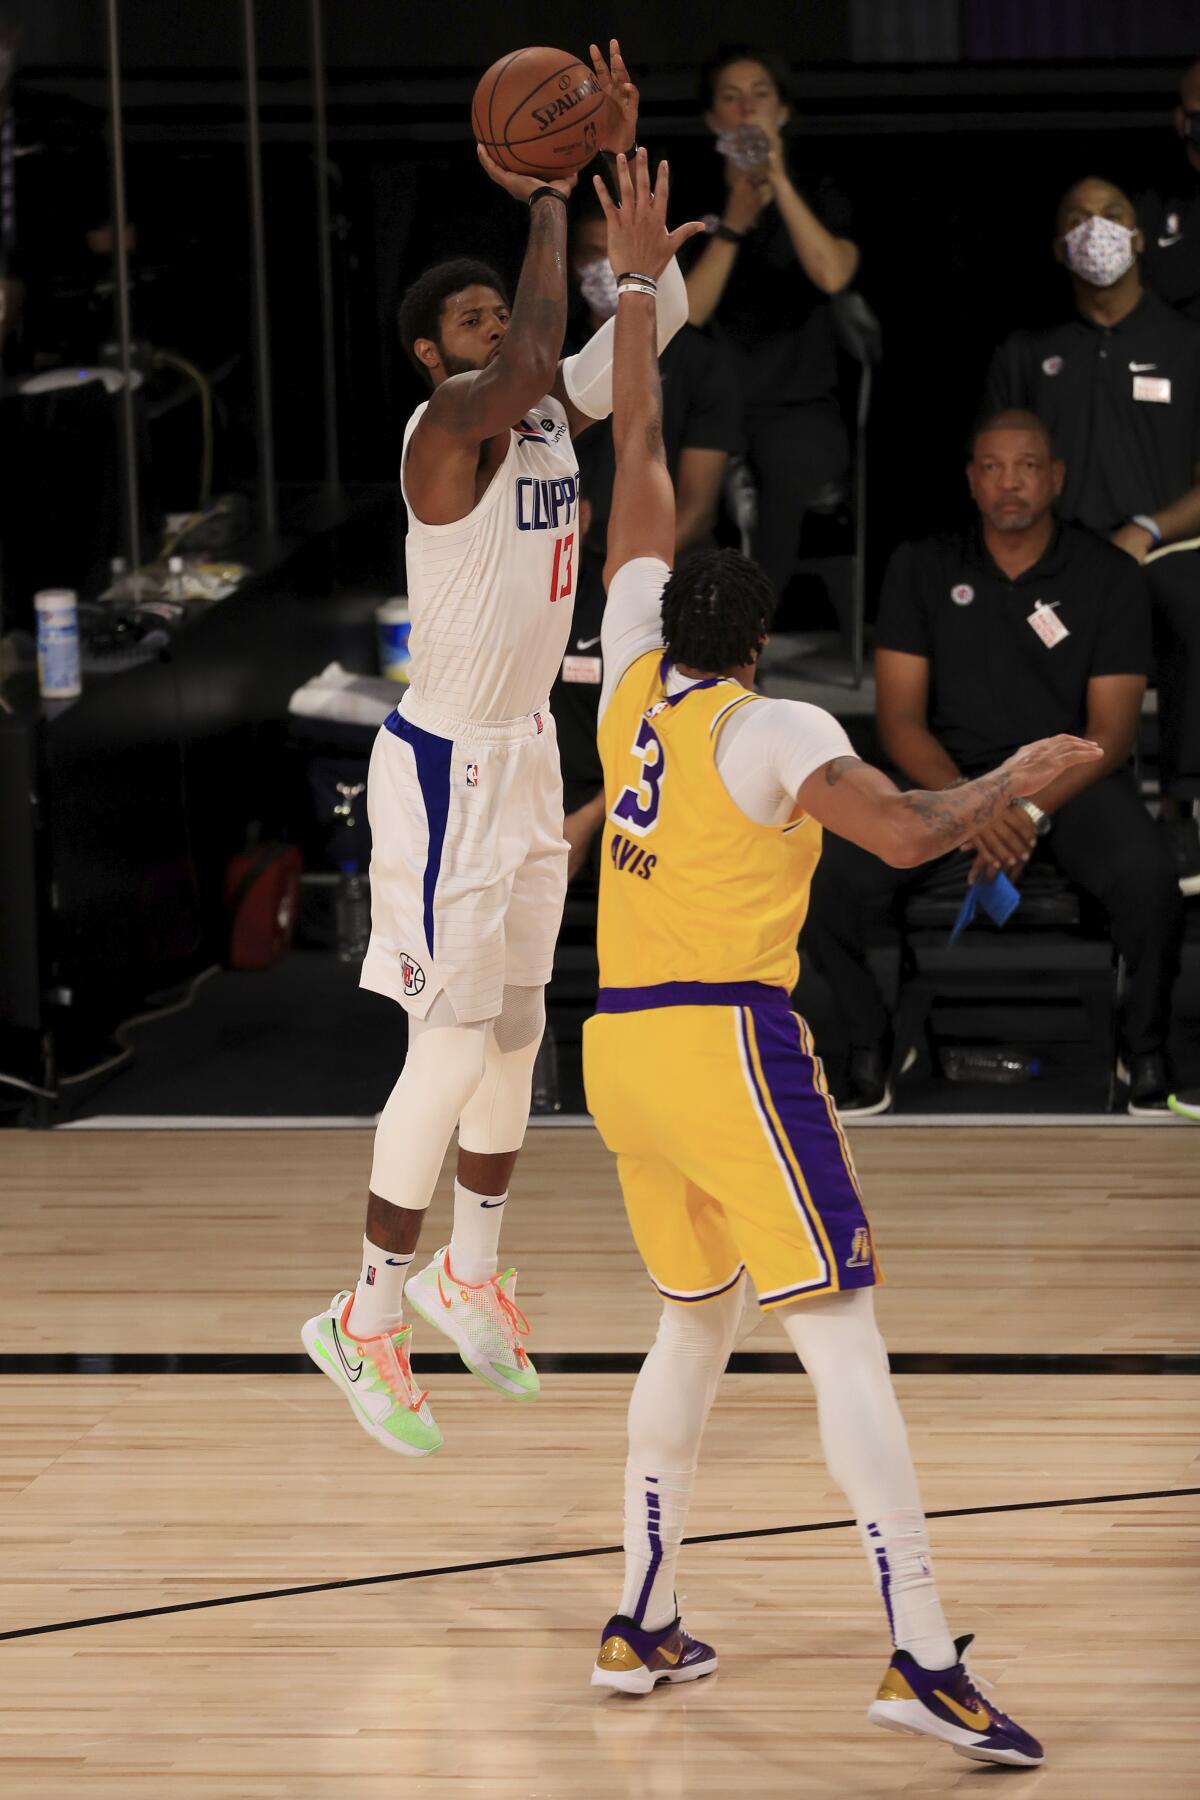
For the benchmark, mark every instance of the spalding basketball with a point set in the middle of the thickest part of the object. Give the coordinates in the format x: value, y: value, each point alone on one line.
x: 538, y: 112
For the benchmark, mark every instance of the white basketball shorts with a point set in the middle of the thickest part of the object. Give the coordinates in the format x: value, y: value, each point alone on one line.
x: 468, y: 859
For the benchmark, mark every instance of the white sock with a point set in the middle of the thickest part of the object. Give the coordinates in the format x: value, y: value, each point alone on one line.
x: 866, y: 1452
x: 475, y: 1238
x: 656, y: 1509
x: 897, y: 1547
x: 379, y: 1296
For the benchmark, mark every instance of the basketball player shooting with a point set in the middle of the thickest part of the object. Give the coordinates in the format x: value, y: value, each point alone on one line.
x: 704, y: 1082
x: 468, y: 870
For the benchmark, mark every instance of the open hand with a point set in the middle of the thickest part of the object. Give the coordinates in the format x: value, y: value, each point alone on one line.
x: 1035, y: 766
x: 638, y: 238
x: 521, y: 186
x: 618, y: 129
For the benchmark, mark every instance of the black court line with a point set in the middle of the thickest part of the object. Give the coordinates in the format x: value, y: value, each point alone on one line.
x: 602, y: 1362
x: 553, y: 1556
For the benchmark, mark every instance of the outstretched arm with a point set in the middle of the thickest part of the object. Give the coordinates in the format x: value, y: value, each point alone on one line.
x: 642, y: 519
x: 860, y: 803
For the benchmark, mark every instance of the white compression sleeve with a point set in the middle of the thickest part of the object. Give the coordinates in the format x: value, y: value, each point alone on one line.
x: 495, y: 1116
x: 667, y: 1413
x: 587, y: 376
x: 866, y: 1451
x: 443, y: 1068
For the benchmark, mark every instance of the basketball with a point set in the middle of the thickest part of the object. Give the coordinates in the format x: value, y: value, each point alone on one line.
x: 538, y: 112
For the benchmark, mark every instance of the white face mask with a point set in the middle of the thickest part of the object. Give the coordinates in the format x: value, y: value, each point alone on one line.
x: 1099, y: 251
x: 598, y: 285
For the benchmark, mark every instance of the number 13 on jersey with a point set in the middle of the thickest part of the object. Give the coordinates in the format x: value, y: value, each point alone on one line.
x: 562, y: 580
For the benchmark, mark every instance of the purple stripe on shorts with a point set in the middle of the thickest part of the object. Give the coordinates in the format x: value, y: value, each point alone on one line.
x: 803, y: 1112
x: 432, y: 755
x: 757, y: 995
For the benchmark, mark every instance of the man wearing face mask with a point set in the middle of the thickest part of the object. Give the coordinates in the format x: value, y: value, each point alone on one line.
x: 1171, y: 221
x: 761, y: 282
x: 1119, y: 387
x: 702, y: 429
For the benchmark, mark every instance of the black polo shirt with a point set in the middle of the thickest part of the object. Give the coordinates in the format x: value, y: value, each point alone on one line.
x: 1123, y: 405
x: 993, y: 683
x: 1171, y: 260
x: 777, y: 324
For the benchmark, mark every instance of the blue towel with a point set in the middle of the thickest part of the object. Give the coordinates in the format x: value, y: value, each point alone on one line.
x: 998, y: 898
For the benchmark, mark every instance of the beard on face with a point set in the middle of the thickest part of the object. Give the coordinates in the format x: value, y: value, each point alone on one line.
x: 1016, y: 519
x: 458, y: 365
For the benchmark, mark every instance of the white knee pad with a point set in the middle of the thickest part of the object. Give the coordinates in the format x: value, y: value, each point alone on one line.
x: 494, y: 1119
x: 444, y: 1067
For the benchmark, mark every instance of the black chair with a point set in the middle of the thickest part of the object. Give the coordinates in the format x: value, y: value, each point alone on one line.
x: 1005, y: 1004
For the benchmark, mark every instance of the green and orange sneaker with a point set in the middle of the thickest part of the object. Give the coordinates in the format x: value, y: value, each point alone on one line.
x: 376, y: 1377
x: 483, y: 1321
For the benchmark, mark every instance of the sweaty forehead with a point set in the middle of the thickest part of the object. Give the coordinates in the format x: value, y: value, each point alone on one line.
x: 472, y: 299
x: 1095, y: 197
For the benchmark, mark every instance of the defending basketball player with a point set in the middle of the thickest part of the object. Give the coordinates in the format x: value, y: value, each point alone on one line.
x: 464, y: 795
x: 704, y: 1082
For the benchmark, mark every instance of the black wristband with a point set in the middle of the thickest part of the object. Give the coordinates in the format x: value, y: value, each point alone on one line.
x: 632, y: 275
x: 727, y: 234
x: 541, y: 192
x: 613, y: 154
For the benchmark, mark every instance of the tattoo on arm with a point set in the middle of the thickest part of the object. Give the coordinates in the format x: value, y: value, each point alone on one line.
x: 953, y: 814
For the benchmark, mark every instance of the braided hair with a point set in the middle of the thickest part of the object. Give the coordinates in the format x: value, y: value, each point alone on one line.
x: 716, y: 610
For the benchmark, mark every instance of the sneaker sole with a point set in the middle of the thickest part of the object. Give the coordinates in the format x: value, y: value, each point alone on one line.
x: 488, y: 1378
x: 882, y: 1105
x: 312, y: 1344
x: 644, y: 1681
x: 910, y: 1719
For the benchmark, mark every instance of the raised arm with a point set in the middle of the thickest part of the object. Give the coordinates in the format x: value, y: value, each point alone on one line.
x: 860, y: 803
x: 479, y: 403
x: 642, y: 518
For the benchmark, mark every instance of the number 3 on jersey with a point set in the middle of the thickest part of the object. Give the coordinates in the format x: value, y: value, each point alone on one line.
x: 638, y: 815
x: 562, y: 580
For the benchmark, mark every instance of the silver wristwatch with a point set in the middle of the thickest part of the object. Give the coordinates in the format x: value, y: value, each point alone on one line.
x: 1041, y: 820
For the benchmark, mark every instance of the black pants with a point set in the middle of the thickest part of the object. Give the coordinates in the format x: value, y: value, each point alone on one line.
x: 794, y: 452
x: 1175, y: 593
x: 1104, y: 840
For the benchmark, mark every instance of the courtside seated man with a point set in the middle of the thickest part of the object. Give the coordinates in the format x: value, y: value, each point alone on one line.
x: 468, y: 869
x: 700, y: 1077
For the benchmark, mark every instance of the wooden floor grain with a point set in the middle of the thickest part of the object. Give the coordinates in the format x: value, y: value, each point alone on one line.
x: 121, y: 1493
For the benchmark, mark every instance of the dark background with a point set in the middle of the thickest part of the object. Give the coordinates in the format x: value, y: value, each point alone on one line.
x: 954, y: 125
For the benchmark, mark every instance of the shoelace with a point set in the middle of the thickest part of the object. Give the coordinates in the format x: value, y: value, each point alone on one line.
x: 981, y: 1689
x: 509, y: 1317
x: 394, y: 1370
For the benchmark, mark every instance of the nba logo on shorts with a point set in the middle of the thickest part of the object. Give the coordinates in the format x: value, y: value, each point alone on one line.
x: 472, y: 774
x: 412, y: 975
x: 537, y: 719
x: 860, y: 1249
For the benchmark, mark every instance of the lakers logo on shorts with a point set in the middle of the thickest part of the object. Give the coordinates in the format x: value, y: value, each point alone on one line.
x: 412, y: 975
x: 860, y: 1249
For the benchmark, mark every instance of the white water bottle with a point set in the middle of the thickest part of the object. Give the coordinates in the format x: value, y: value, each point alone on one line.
x: 57, y: 644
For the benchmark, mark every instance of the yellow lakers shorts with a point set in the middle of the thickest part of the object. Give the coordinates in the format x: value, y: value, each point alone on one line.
x: 729, y: 1149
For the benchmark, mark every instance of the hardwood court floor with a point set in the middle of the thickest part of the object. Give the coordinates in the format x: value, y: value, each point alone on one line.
x: 125, y: 1492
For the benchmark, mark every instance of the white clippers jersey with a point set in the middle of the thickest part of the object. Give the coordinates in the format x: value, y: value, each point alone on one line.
x: 491, y: 595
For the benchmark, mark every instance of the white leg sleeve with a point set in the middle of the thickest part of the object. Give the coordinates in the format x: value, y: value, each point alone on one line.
x: 866, y: 1451
x: 443, y: 1068
x: 667, y: 1414
x: 494, y: 1118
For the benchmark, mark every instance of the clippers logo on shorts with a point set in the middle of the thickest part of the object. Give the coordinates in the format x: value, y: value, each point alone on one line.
x: 545, y: 505
x: 412, y: 975
x: 472, y: 774
x: 1051, y: 365
x: 860, y: 1249
x: 963, y: 594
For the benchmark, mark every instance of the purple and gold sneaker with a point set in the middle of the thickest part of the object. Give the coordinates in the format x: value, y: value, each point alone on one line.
x: 946, y: 1704
x: 634, y: 1661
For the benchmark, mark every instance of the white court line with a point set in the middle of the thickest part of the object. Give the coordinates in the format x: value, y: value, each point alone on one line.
x: 565, y: 1121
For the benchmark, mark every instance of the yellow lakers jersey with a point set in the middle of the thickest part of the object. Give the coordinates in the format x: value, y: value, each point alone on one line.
x: 690, y: 888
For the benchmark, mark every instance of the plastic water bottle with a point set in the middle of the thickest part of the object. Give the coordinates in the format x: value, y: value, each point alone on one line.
x: 57, y: 644
x: 352, y: 914
x: 1000, y: 1067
